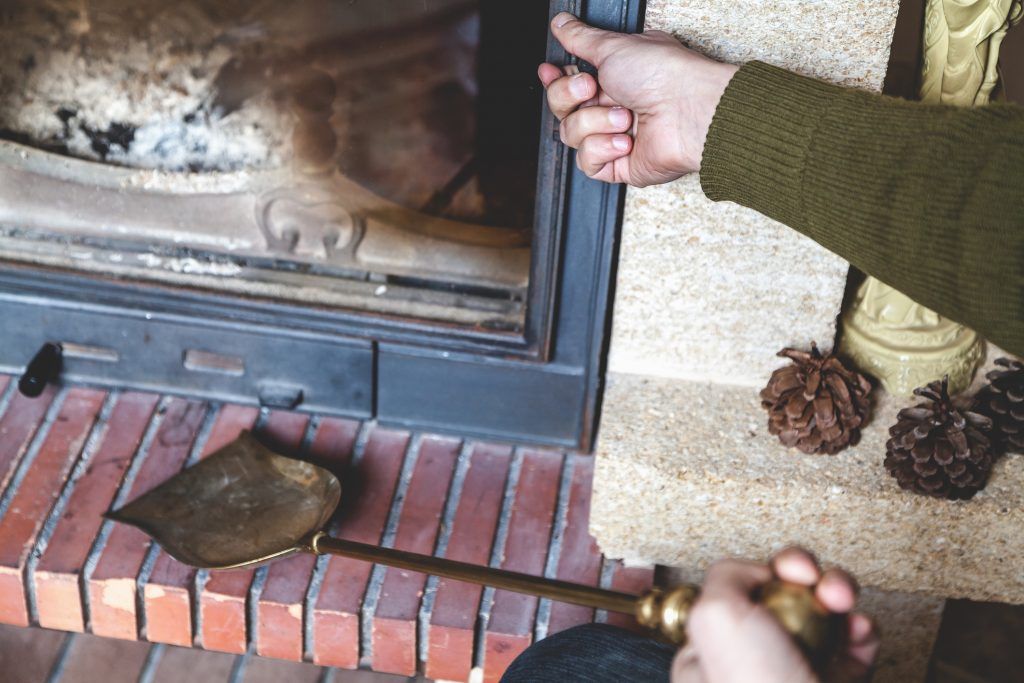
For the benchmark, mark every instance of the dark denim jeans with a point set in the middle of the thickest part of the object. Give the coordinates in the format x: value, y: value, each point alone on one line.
x: 594, y: 653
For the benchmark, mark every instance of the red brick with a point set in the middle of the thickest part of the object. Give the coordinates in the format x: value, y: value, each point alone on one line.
x: 112, y: 586
x: 223, y: 610
x: 231, y: 421
x: 58, y: 600
x: 27, y: 655
x: 18, y: 426
x: 224, y: 598
x: 102, y: 660
x: 394, y: 620
x: 281, y: 604
x: 167, y: 595
x: 510, y: 629
x: 580, y: 558
x: 37, y: 493
x: 634, y: 580
x: 365, y: 506
x: 452, y: 627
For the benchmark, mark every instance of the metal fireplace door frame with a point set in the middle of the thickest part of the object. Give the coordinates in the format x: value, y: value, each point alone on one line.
x: 540, y: 386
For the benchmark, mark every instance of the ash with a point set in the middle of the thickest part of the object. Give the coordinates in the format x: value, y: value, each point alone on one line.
x: 134, y: 84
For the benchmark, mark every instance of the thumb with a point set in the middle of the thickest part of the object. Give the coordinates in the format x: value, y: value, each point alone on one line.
x: 580, y: 39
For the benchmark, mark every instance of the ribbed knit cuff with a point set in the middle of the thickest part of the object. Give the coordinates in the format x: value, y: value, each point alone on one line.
x: 759, y: 138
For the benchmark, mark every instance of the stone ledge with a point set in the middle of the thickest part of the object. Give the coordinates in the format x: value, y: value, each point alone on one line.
x: 687, y: 473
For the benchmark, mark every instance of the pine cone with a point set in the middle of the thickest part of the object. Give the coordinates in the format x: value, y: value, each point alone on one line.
x: 815, y: 404
x: 1002, y: 401
x: 937, y: 449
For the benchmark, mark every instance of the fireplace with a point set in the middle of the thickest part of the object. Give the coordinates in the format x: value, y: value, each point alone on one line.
x: 351, y: 208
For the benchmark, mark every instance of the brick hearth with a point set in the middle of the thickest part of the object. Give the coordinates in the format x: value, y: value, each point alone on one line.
x: 69, y: 455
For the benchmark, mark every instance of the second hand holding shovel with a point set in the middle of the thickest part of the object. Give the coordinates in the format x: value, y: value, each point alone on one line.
x: 246, y: 505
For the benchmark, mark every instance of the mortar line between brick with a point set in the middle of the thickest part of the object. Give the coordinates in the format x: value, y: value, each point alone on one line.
x: 238, y: 668
x: 540, y: 626
x: 8, y: 395
x: 198, y: 586
x: 252, y: 607
x: 153, y: 551
x: 205, y: 429
x: 607, y: 576
x: 149, y: 667
x: 61, y: 661
x: 497, y: 554
x: 29, y: 456
x: 373, y: 588
x: 84, y: 456
x: 310, y: 434
x: 125, y: 487
x: 316, y: 581
x: 441, y: 547
x: 326, y: 675
x: 141, y: 625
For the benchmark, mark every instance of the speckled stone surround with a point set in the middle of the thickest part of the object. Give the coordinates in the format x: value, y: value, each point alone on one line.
x: 697, y: 477
x: 710, y: 291
x: 706, y: 294
x: 686, y: 471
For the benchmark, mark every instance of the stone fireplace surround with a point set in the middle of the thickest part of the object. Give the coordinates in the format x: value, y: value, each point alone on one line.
x: 686, y: 472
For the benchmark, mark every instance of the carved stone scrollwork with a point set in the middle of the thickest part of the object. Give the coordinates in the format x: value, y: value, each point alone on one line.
x: 888, y: 335
x: 309, y: 221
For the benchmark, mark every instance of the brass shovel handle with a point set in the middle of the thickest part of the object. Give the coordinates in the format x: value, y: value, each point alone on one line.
x: 815, y: 630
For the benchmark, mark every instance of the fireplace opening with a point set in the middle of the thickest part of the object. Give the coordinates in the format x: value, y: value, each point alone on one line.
x: 372, y: 156
x: 343, y: 207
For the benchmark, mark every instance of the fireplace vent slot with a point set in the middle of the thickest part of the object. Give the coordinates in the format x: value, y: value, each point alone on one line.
x: 215, y: 363
x: 87, y: 352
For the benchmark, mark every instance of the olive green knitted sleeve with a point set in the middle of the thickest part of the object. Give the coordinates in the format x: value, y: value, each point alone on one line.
x: 927, y: 198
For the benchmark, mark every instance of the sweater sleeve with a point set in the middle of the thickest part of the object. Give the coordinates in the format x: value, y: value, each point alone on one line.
x: 927, y: 198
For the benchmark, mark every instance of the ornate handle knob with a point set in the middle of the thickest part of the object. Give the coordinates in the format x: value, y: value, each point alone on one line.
x: 816, y: 630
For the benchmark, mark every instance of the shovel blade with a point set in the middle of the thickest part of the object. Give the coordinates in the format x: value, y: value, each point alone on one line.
x: 241, y: 506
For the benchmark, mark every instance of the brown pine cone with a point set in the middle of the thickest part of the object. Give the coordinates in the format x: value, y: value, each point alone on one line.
x: 938, y: 449
x: 815, y: 404
x: 1002, y: 400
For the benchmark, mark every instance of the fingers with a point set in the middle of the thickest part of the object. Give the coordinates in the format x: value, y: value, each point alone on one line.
x: 594, y: 120
x: 566, y: 93
x: 854, y: 665
x: 548, y: 73
x: 734, y: 579
x: 595, y: 151
x: 864, y: 640
x: 836, y: 589
x: 582, y: 40
x: 796, y: 566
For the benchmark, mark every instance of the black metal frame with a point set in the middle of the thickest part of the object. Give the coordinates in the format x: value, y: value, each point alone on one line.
x: 539, y: 386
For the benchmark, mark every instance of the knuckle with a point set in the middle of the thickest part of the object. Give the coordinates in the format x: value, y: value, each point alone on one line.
x: 586, y: 148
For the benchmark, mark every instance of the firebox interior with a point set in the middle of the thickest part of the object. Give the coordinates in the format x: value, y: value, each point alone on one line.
x: 376, y: 156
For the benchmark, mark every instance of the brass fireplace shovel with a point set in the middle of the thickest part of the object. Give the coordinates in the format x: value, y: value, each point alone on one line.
x: 246, y: 505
